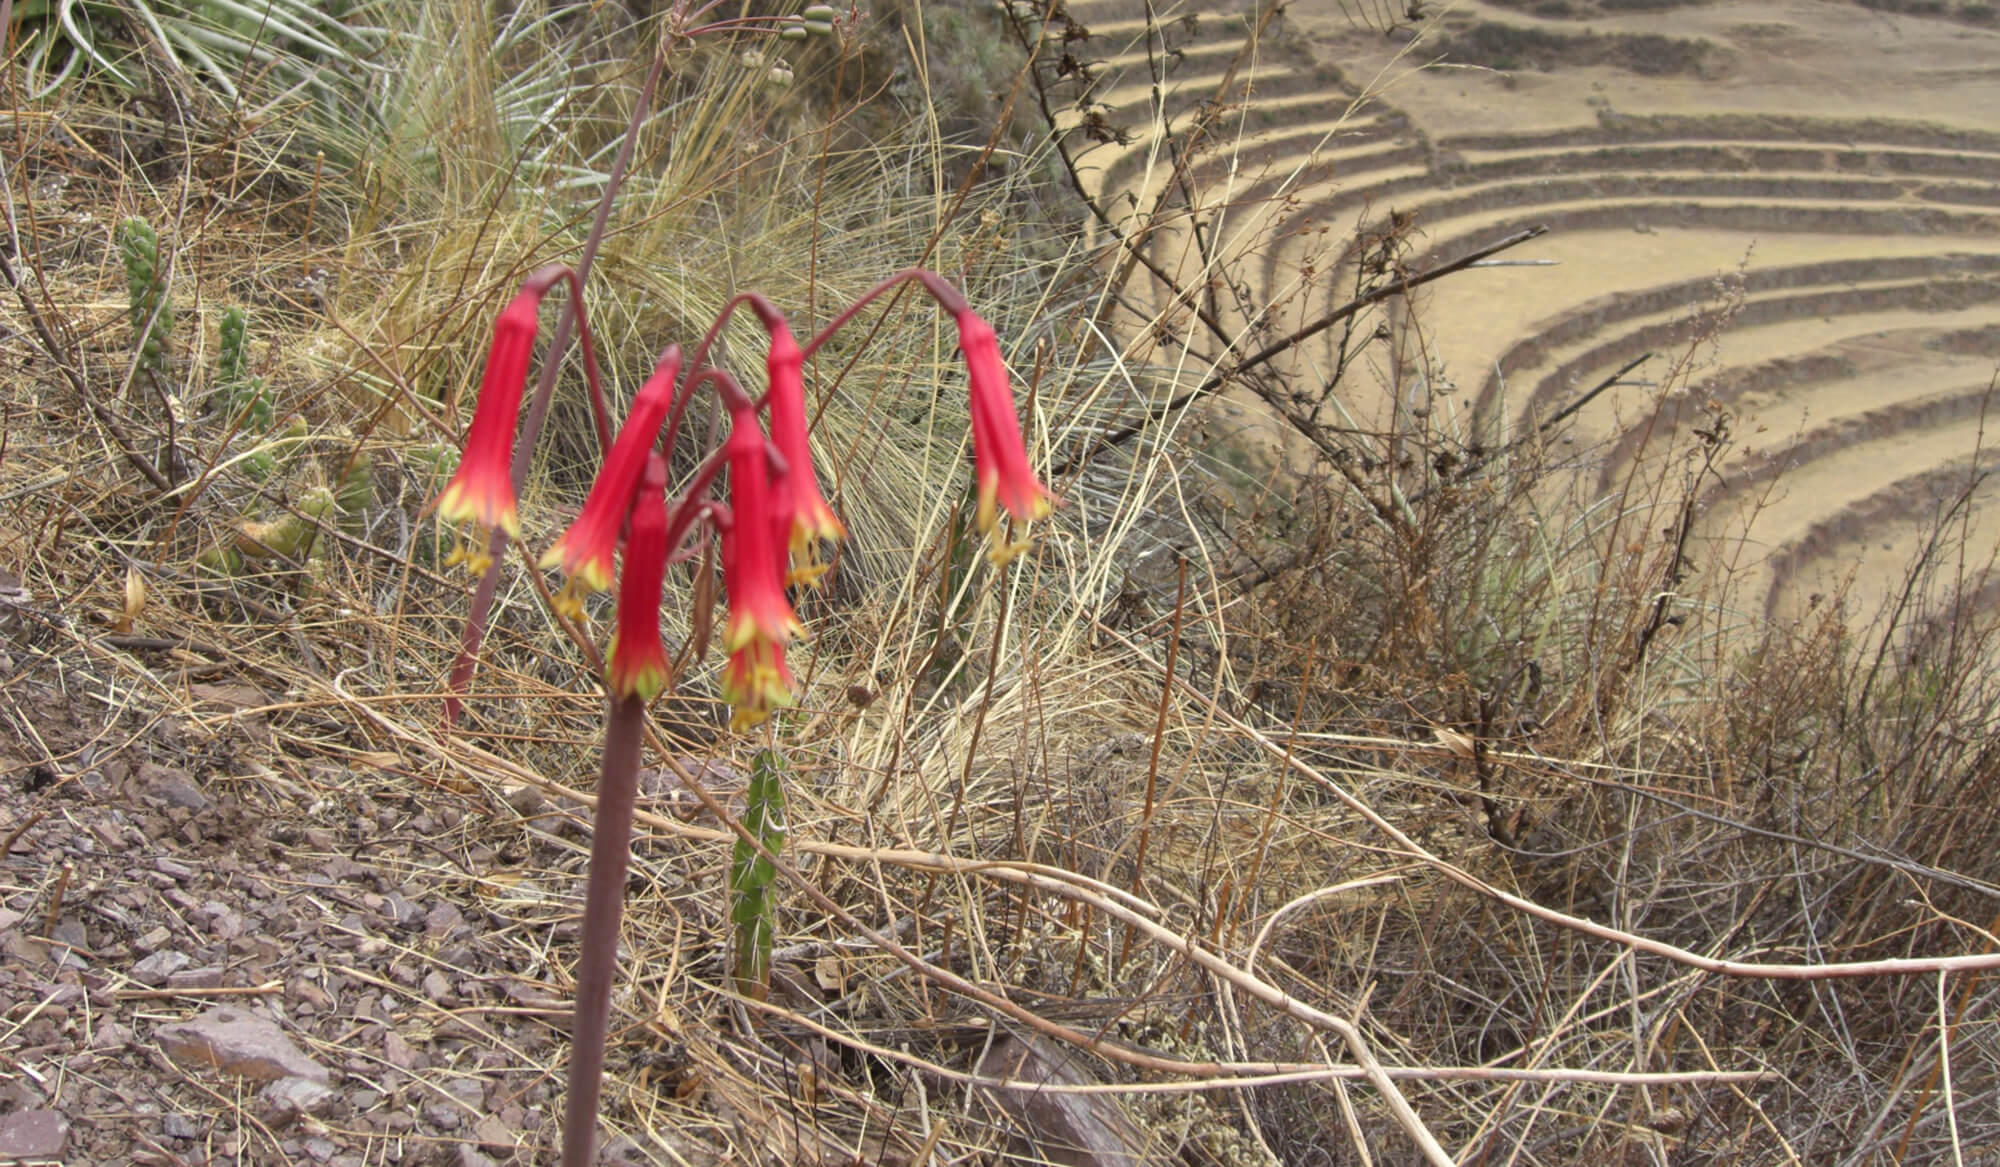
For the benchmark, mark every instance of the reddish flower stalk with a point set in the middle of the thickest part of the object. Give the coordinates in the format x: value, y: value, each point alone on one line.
x: 803, y: 516
x: 760, y: 617
x: 603, y: 911
x: 482, y: 492
x: 585, y: 551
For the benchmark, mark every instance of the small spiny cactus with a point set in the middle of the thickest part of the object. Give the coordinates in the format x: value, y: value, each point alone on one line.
x: 146, y: 293
x: 290, y: 535
x: 354, y: 492
x: 242, y: 394
x: 751, y: 907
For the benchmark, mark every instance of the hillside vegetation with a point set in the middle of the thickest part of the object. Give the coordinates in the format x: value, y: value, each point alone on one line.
x: 1436, y: 726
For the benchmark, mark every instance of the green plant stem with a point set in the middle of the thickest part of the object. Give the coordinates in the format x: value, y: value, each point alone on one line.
x: 538, y: 409
x: 603, y: 913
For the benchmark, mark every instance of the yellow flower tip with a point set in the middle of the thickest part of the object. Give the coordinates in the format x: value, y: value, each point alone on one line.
x: 490, y: 509
x: 644, y: 682
x: 471, y: 552
x: 822, y: 523
x: 806, y: 566
x: 568, y: 602
x: 1005, y: 551
x: 750, y: 709
x: 807, y: 575
x: 745, y: 629
x: 754, y: 682
x: 588, y: 573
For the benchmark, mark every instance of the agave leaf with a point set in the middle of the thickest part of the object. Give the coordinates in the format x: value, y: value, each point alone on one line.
x: 83, y: 38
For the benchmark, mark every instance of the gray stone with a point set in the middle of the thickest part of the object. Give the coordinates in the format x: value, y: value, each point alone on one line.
x: 173, y: 867
x: 237, y: 1041
x: 155, y: 969
x: 33, y: 1134
x: 492, y: 1131
x: 288, y: 1098
x: 440, y: 920
x: 397, y: 1051
x: 171, y: 786
x: 110, y: 1035
x: 208, y: 976
x: 398, y: 908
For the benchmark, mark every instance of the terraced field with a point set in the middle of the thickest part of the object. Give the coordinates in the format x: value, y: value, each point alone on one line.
x: 1794, y: 205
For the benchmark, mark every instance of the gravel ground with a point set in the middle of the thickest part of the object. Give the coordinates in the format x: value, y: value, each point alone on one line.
x: 213, y: 953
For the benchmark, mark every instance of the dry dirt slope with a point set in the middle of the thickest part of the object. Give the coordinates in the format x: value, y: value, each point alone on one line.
x: 1817, y: 181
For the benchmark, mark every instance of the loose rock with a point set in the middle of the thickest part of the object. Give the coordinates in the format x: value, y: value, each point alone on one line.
x: 33, y: 1134
x: 237, y: 1041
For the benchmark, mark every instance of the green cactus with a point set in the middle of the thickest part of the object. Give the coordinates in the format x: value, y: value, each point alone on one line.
x: 221, y: 559
x: 752, y: 909
x: 233, y: 363
x: 263, y: 462
x: 291, y: 535
x: 242, y: 395
x: 146, y: 286
x: 355, y: 492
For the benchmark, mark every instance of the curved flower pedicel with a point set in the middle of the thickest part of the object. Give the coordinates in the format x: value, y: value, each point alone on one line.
x: 481, y: 494
x: 999, y: 454
x: 761, y: 620
x: 586, y: 551
x: 803, y: 516
x: 638, y: 663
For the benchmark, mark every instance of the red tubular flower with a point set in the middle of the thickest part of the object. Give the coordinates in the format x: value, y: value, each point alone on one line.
x: 638, y: 663
x: 802, y: 511
x: 1001, y: 457
x: 585, y: 551
x: 760, y: 617
x: 755, y: 680
x: 482, y: 492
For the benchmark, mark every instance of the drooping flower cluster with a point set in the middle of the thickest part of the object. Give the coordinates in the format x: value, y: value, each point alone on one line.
x: 771, y: 523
